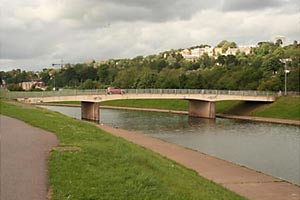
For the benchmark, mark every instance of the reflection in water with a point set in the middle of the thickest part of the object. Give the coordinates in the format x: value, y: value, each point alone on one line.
x: 196, y: 122
x: 269, y: 148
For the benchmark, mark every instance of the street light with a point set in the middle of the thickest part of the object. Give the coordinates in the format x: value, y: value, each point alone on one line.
x: 61, y: 66
x: 52, y: 76
x: 286, y: 71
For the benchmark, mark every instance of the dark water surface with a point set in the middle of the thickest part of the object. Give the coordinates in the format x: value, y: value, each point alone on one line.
x: 270, y: 148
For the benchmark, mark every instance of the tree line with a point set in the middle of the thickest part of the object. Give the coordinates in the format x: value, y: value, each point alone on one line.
x: 260, y: 70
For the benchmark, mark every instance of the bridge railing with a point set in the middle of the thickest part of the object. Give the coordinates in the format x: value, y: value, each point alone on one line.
x: 201, y: 91
x: 67, y: 92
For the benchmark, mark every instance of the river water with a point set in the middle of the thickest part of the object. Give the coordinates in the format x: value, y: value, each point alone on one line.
x: 269, y: 148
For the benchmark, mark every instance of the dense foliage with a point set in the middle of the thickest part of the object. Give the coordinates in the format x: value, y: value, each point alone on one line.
x: 260, y: 70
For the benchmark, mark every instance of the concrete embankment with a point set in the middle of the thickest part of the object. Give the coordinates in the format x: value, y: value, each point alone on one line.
x: 261, y: 119
x: 238, y: 117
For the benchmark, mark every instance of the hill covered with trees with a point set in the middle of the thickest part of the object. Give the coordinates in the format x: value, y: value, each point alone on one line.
x: 262, y: 69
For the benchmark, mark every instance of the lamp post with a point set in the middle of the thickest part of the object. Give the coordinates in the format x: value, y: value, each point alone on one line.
x: 61, y: 66
x: 286, y: 71
x: 52, y: 77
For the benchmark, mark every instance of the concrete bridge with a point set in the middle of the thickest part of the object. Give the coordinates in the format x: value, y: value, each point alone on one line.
x: 201, y: 102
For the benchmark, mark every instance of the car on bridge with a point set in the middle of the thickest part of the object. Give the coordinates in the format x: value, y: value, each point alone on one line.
x: 112, y: 90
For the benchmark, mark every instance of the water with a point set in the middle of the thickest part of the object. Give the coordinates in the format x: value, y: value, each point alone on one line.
x: 269, y: 148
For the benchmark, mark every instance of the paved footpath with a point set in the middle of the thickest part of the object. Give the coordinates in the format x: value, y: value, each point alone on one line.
x: 23, y: 160
x: 244, y: 181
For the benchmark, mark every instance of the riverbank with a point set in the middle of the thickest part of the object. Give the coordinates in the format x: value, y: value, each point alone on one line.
x: 107, y: 167
x: 244, y: 181
x: 226, y: 116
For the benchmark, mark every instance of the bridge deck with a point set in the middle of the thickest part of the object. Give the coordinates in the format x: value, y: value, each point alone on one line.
x: 104, y: 97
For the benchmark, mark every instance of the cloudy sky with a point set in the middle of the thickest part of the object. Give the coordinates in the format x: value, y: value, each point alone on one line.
x: 36, y: 33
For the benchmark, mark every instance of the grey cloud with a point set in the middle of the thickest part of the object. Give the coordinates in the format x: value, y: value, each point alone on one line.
x: 240, y: 5
x: 97, y: 12
x: 137, y: 27
x: 32, y: 40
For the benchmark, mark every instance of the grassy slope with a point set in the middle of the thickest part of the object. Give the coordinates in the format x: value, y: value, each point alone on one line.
x: 107, y: 167
x: 284, y: 108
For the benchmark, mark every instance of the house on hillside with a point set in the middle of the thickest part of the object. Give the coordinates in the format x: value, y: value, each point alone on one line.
x: 28, y: 85
x: 231, y: 51
x: 193, y: 54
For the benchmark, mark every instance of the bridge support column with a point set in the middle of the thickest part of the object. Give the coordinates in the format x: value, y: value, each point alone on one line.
x: 90, y: 111
x: 205, y: 109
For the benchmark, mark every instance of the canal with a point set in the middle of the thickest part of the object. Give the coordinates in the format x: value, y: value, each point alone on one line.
x: 269, y: 148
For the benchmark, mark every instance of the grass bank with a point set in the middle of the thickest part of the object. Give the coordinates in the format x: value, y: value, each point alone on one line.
x: 284, y: 108
x: 107, y: 167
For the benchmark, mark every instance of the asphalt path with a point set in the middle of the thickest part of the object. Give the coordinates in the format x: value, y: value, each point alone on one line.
x: 24, y: 152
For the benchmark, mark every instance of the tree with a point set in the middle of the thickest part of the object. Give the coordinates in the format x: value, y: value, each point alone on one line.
x: 224, y: 44
x: 168, y: 78
x: 89, y: 84
x: 2, y: 75
x: 272, y: 84
x: 148, y: 79
x: 272, y: 63
x: 293, y: 82
x: 127, y: 78
x: 182, y: 81
x: 14, y: 87
x: 103, y: 74
x: 159, y: 64
x: 278, y: 42
x: 194, y: 81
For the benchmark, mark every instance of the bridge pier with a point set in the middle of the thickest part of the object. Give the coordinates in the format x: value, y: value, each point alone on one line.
x: 90, y: 111
x: 205, y: 109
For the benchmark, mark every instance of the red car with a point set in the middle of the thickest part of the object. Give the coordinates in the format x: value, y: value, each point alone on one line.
x: 112, y: 90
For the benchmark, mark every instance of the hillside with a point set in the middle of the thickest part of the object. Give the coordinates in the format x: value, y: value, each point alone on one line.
x: 226, y: 67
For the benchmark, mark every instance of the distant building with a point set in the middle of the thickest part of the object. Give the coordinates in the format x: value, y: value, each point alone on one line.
x: 193, y: 54
x: 196, y: 52
x: 231, y: 51
x: 185, y: 52
x: 209, y: 51
x: 246, y: 49
x: 218, y: 51
x: 191, y: 58
x: 28, y: 85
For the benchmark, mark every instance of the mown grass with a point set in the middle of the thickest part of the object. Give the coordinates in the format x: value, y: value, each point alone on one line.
x: 108, y: 167
x: 283, y: 108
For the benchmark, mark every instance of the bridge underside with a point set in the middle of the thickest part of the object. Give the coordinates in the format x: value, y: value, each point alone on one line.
x: 197, y: 108
x: 205, y: 109
x: 90, y: 111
